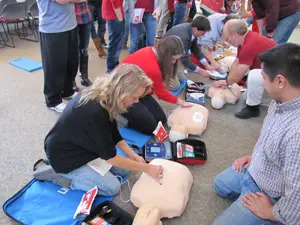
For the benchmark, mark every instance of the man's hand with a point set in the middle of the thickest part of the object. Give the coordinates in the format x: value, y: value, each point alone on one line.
x: 220, y: 84
x: 241, y: 163
x: 260, y: 205
x: 156, y: 172
x: 156, y: 13
x: 118, y: 13
x: 216, y: 66
x: 189, y: 4
x: 271, y: 34
x: 203, y: 72
x: 137, y: 158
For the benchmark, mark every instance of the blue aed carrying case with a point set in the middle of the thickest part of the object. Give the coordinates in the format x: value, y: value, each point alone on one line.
x: 45, y: 203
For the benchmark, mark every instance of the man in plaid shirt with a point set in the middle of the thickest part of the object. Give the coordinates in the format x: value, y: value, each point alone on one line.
x: 265, y: 186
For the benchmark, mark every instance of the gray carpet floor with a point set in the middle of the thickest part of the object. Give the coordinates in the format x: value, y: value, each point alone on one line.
x: 24, y: 122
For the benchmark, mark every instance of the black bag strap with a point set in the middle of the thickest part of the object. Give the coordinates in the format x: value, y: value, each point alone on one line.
x: 45, y: 161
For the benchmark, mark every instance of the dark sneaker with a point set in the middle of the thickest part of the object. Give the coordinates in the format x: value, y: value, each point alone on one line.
x: 248, y: 112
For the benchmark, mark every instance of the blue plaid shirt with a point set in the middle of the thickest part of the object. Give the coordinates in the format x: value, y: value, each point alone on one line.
x: 83, y: 15
x: 275, y: 163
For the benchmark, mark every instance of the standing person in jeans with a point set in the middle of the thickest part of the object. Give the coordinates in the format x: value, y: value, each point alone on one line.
x: 282, y: 17
x: 160, y: 65
x: 59, y: 50
x: 83, y: 17
x: 112, y: 11
x: 265, y: 186
x: 95, y: 7
x: 82, y: 144
x: 148, y: 24
x: 180, y: 10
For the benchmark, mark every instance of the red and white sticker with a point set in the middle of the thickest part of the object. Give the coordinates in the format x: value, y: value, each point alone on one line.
x: 86, y: 202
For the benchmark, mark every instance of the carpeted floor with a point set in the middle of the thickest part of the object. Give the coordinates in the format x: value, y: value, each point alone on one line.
x: 24, y: 122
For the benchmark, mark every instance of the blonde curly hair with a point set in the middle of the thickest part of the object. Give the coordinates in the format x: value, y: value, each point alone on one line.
x: 110, y: 91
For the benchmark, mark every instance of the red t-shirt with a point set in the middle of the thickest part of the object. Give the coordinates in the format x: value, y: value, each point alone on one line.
x: 148, y: 5
x: 108, y: 7
x: 146, y: 59
x: 171, y: 5
x: 254, y: 44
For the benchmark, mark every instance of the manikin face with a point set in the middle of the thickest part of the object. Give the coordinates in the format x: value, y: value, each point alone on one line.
x: 134, y: 97
x: 175, y: 58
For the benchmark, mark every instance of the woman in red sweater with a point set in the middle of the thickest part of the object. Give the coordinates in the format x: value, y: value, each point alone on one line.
x: 160, y: 65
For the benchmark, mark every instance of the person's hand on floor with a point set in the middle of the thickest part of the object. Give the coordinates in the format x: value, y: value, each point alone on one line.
x: 216, y: 66
x: 156, y: 172
x: 220, y: 84
x: 260, y: 205
x: 241, y: 163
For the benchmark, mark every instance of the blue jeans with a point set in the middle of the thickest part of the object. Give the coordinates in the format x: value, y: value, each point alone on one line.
x: 285, y: 28
x: 85, y: 178
x: 101, y: 23
x: 115, y: 43
x: 127, y: 22
x: 179, y: 13
x: 233, y: 185
x: 136, y: 30
x: 84, y: 38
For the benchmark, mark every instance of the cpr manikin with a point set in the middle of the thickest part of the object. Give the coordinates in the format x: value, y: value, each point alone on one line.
x: 188, y: 120
x: 221, y: 96
x: 165, y: 200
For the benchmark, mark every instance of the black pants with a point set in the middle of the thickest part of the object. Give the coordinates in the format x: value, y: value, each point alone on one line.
x: 60, y: 64
x: 145, y: 115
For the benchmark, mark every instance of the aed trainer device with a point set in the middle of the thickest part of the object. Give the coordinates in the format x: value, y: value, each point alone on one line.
x: 158, y: 150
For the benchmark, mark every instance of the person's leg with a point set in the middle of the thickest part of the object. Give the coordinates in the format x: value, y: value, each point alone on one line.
x: 237, y: 213
x: 193, y: 11
x: 179, y: 13
x: 135, y: 32
x: 150, y: 28
x: 140, y: 118
x: 163, y: 22
x: 72, y: 63
x: 255, y: 91
x: 92, y: 26
x: 154, y: 108
x: 115, y: 36
x: 126, y: 33
x: 84, y: 39
x: 101, y: 25
x: 285, y: 28
x: 119, y: 172
x: 171, y: 21
x: 85, y: 178
x: 54, y: 51
x: 227, y: 184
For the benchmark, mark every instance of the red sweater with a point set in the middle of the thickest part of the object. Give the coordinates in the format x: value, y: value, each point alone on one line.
x: 108, y: 7
x: 146, y: 59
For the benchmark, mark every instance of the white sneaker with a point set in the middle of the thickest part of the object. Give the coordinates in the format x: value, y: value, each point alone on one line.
x: 59, y: 108
x: 71, y: 96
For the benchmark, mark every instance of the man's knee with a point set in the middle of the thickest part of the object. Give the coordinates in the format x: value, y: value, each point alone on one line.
x: 255, y: 78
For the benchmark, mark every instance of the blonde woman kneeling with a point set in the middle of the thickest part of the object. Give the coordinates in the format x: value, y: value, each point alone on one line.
x: 86, y: 134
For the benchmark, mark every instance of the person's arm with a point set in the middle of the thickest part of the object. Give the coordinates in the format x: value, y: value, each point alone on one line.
x: 272, y: 9
x: 117, y: 6
x: 237, y: 72
x: 156, y: 172
x: 213, y: 62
